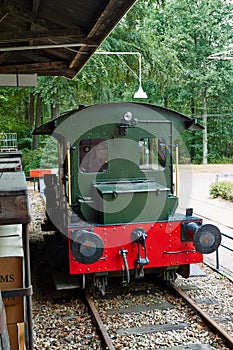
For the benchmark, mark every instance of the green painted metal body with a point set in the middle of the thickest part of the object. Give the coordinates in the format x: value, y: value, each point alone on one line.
x: 132, y: 201
x: 124, y: 193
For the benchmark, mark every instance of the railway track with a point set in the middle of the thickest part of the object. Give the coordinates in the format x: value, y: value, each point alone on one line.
x: 61, y: 320
x: 148, y: 316
x: 107, y: 341
x: 211, y: 323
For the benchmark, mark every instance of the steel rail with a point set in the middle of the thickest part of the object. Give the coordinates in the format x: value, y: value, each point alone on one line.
x: 228, y: 340
x: 107, y: 340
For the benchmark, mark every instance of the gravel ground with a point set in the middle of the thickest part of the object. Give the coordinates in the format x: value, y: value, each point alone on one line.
x: 60, y: 320
x: 214, y: 293
x: 195, y: 332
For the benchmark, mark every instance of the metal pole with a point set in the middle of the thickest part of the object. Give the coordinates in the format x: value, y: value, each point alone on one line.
x: 28, y: 284
x: 177, y: 171
x: 217, y: 260
x: 126, y: 53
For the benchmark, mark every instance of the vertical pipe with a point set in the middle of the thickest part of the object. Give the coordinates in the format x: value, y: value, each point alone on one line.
x: 140, y: 68
x: 28, y: 284
x: 177, y: 171
x: 69, y: 176
x: 217, y: 260
x: 4, y: 337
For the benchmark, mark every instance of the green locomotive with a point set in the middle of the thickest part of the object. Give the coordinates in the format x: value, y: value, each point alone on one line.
x: 113, y: 197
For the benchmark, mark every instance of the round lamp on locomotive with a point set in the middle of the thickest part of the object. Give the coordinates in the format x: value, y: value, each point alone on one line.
x: 206, y: 238
x: 87, y: 247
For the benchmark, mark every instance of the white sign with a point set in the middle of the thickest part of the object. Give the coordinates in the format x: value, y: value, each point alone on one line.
x: 18, y: 80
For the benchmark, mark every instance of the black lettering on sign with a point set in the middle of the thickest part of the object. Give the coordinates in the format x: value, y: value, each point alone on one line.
x: 7, y: 278
x: 11, y: 277
x: 10, y: 299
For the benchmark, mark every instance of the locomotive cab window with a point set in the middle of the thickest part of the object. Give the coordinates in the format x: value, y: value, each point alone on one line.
x: 152, y: 153
x: 93, y: 156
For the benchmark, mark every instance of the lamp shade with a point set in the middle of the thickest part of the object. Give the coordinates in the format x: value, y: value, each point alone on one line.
x: 140, y: 93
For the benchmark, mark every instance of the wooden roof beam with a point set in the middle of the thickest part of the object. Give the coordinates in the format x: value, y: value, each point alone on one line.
x: 46, y: 35
x: 4, y: 56
x: 27, y: 16
x: 113, y: 12
x: 42, y: 68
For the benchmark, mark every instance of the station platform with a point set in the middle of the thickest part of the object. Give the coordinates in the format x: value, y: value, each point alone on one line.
x: 194, y: 184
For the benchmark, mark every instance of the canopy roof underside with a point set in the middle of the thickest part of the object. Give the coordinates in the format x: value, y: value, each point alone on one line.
x: 54, y: 37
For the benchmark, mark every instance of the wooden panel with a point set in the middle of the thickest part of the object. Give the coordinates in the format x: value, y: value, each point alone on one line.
x: 14, y: 202
x: 14, y: 209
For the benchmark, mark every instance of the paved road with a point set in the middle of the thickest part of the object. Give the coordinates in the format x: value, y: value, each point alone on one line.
x: 194, y: 186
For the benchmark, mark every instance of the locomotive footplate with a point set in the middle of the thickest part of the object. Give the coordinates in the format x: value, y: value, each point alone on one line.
x: 57, y: 259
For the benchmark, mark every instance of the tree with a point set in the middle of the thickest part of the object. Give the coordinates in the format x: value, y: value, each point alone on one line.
x: 196, y: 30
x: 175, y: 39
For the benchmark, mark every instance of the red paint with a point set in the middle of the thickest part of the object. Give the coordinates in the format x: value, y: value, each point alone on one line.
x: 40, y: 172
x: 162, y: 239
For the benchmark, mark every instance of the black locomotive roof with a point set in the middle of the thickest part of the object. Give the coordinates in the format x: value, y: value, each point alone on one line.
x: 54, y: 37
x: 49, y: 127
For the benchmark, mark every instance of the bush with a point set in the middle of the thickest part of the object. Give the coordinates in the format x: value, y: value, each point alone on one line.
x: 223, y: 190
x: 219, y: 160
x: 42, y: 158
x: 31, y: 160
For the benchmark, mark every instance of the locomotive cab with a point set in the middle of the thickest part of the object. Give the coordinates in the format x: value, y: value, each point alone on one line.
x: 121, y: 171
x: 127, y: 177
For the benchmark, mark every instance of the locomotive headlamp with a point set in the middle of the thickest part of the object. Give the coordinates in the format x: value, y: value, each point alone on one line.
x: 128, y: 116
x: 206, y: 238
x: 86, y: 246
x: 126, y: 122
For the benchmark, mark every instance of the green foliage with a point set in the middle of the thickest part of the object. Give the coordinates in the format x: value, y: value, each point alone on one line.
x: 57, y: 90
x: 43, y: 158
x: 31, y: 159
x: 49, y: 154
x: 223, y: 190
x: 12, y: 110
x: 175, y: 39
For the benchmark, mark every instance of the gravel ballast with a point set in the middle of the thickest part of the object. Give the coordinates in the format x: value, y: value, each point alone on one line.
x: 61, y: 320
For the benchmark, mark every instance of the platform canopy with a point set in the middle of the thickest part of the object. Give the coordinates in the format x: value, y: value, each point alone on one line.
x: 54, y: 37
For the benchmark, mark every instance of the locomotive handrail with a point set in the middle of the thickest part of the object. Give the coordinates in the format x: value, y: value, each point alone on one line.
x: 217, y: 265
x: 153, y: 121
x: 181, y: 251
